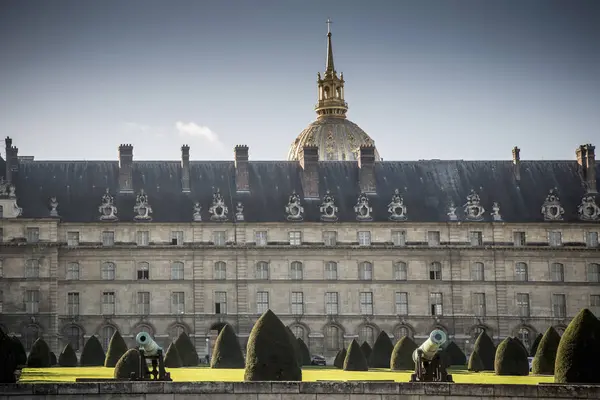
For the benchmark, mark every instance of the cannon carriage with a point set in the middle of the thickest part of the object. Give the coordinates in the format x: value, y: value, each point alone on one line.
x: 151, y: 351
x: 429, y: 363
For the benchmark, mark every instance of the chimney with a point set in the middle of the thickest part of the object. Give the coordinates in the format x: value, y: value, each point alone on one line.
x: 125, y: 168
x: 8, y: 142
x: 310, y: 171
x: 586, y: 158
x: 516, y: 158
x: 366, y: 173
x: 242, y: 181
x: 185, y: 168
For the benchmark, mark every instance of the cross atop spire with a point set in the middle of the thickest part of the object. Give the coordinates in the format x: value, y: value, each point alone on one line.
x: 329, y: 68
x: 329, y: 22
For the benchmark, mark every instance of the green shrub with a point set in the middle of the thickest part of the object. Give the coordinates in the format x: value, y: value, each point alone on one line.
x: 303, y: 348
x: 172, y: 358
x: 294, y: 344
x: 8, y: 355
x: 227, y: 352
x: 338, y: 361
x: 511, y: 358
x: 21, y: 354
x: 382, y: 351
x: 579, y: 351
x: 535, y: 344
x: 475, y: 364
x: 401, y: 357
x: 92, y: 354
x: 116, y: 348
x: 486, y: 351
x: 270, y: 354
x: 543, y: 362
x: 39, y: 355
x: 187, y: 351
x: 518, y: 341
x: 355, y: 359
x: 67, y: 357
x: 366, y: 349
x: 128, y: 365
x: 453, y: 355
x: 53, y: 360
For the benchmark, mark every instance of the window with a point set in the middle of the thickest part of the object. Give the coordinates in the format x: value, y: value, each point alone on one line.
x: 559, y: 306
x: 399, y: 238
x: 332, y: 338
x: 108, y: 271
x: 298, y: 331
x: 593, y: 273
x: 108, y: 238
x: 364, y: 238
x: 220, y: 302
x: 143, y: 303
x: 178, y: 303
x: 108, y: 303
x: 365, y: 271
x: 524, y: 336
x: 72, y: 239
x: 366, y: 303
x: 106, y: 334
x: 521, y: 273
x: 403, y: 331
x: 220, y: 238
x: 72, y: 303
x: 32, y: 301
x: 477, y: 271
x: 476, y: 238
x: 1, y: 211
x: 296, y: 271
x: 591, y: 239
x: 177, y: 271
x: 262, y: 302
x: 73, y: 334
x: 400, y: 271
x: 330, y: 238
x: 435, y: 271
x: 519, y: 239
x: 176, y: 331
x: 331, y: 270
x: 72, y: 271
x: 177, y: 238
x: 479, y: 304
x: 143, y: 238
x: 260, y: 237
x: 31, y: 334
x: 295, y: 238
x: 262, y: 270
x: 143, y: 271
x: 557, y: 272
x: 554, y: 238
x: 595, y: 304
x: 33, y: 235
x: 1, y: 268
x: 433, y: 238
x: 523, y: 304
x: 32, y: 269
x: 401, y: 303
x: 366, y: 333
x: 1, y: 229
x: 436, y: 303
x: 331, y: 303
x: 220, y: 270
x: 297, y: 303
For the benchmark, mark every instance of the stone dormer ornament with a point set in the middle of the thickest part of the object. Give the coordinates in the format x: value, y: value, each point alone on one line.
x: 239, y: 212
x: 53, y: 207
x: 142, y: 207
x: 551, y: 209
x: 8, y: 200
x: 452, y: 212
x: 328, y: 209
x: 293, y: 209
x: 496, y: 217
x: 218, y: 210
x: 396, y: 208
x: 107, y: 210
x: 197, y: 212
x: 588, y: 210
x: 7, y: 190
x: 473, y: 208
x: 362, y: 209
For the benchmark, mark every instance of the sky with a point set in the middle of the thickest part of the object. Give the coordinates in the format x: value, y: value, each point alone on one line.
x: 425, y: 79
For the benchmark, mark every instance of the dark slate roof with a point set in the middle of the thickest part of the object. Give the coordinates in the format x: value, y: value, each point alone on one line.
x: 427, y: 188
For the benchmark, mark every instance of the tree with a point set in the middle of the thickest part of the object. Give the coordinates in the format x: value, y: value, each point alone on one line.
x: 303, y: 349
x: 401, y: 358
x: 128, y: 365
x: 355, y: 359
x: 338, y: 361
x: 270, y: 354
x: 227, y: 352
x: 67, y: 357
x: 454, y: 355
x: 366, y: 349
x: 545, y: 356
x: 294, y: 343
x: 511, y: 358
x: 579, y: 351
x: 92, y: 354
x: 535, y: 344
x: 187, y: 351
x: 172, y: 358
x: 116, y: 348
x: 53, y: 360
x: 486, y: 351
x: 39, y: 355
x: 8, y: 355
x: 382, y: 351
x: 20, y: 351
x: 475, y: 364
x: 520, y: 343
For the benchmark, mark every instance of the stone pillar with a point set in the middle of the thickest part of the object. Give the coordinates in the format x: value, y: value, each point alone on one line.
x: 586, y: 158
x: 310, y: 171
x: 366, y: 165
x: 516, y: 158
x: 242, y: 180
x: 126, y: 168
x: 185, y: 168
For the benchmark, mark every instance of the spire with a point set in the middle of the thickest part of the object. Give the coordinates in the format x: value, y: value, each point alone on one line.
x: 329, y: 67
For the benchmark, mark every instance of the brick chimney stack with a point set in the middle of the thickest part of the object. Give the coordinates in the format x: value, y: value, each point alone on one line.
x: 586, y: 158
x: 516, y: 158
x: 185, y: 169
x: 366, y: 173
x: 310, y: 171
x: 242, y: 180
x: 126, y: 168
x: 8, y: 143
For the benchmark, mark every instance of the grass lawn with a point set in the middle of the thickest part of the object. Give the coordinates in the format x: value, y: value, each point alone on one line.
x: 308, y: 374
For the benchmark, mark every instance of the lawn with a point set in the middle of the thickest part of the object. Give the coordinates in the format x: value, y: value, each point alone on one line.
x: 309, y: 374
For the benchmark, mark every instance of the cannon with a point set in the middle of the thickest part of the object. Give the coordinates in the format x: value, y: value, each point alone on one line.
x: 429, y: 364
x: 150, y: 350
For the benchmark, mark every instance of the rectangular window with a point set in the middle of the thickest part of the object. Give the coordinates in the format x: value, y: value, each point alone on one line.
x: 143, y: 271
x: 220, y: 238
x: 33, y: 235
x: 365, y: 271
x: 108, y: 238
x: 73, y: 271
x: 262, y: 302
x: 591, y: 239
x: 400, y: 271
x: 296, y: 271
x: 32, y: 269
x: 1, y: 268
x: 366, y: 303
x: 1, y: 231
x: 297, y: 303
x: 593, y: 273
x: 595, y: 304
x: 399, y: 238
x: 177, y: 238
x: 477, y: 271
x: 331, y: 270
x: 260, y: 238
x: 479, y: 304
x: 143, y: 238
x: 559, y: 306
x: 330, y: 238
x: 521, y: 273
x: 108, y: 303
x: 32, y: 301
x: 178, y: 303
x: 177, y: 271
x: 364, y: 238
x: 72, y: 239
x: 220, y: 302
x: 262, y: 270
x: 433, y: 238
x: 523, y: 304
x: 557, y: 272
x: 143, y: 303
x: 401, y: 303
x: 519, y: 239
x: 295, y: 238
x: 476, y: 238
x: 436, y: 303
x: 555, y: 239
x: 331, y: 303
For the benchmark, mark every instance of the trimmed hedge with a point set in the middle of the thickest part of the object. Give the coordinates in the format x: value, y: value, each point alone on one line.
x: 303, y: 348
x: 511, y: 358
x: 67, y: 357
x: 294, y: 343
x: 401, y: 358
x: 535, y: 344
x: 382, y: 351
x: 355, y: 359
x: 116, y: 348
x: 8, y: 355
x: 128, y: 365
x: 545, y: 357
x: 20, y: 351
x: 39, y: 355
x: 579, y: 351
x: 172, y: 358
x: 475, y: 363
x: 486, y: 351
x: 187, y: 351
x: 366, y: 349
x: 338, y: 362
x: 227, y: 352
x: 270, y: 354
x: 520, y: 343
x: 92, y: 354
x: 453, y: 355
x: 53, y: 360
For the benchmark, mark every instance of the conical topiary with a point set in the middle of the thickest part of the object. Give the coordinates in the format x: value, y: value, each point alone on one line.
x: 187, y: 351
x: 401, y: 358
x: 535, y: 344
x: 338, y: 361
x: 579, y: 351
x: 270, y: 354
x: 21, y: 354
x: 8, y: 355
x: 92, y: 354
x: 520, y: 343
x: 128, y: 365
x: 294, y: 343
x: 172, y: 358
x: 486, y: 351
x: 545, y: 357
x: 511, y: 358
x: 382, y: 351
x: 303, y: 349
x: 366, y: 349
x: 475, y: 364
x: 227, y: 352
x: 355, y: 359
x: 67, y: 357
x: 116, y: 348
x: 39, y: 355
x: 53, y: 360
x: 453, y: 355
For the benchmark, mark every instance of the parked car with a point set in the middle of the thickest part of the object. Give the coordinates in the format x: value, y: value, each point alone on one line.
x: 317, y: 360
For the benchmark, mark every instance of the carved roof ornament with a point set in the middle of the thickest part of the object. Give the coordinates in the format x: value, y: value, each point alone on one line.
x: 552, y: 209
x: 7, y: 189
x: 218, y: 210
x: 452, y: 212
x: 588, y: 210
x: 107, y: 210
x: 473, y: 209
x: 293, y: 209
x: 362, y: 209
x: 239, y: 212
x: 396, y: 208
x: 197, y: 216
x: 496, y: 217
x: 142, y: 207
x: 53, y: 207
x: 328, y: 209
x: 8, y: 200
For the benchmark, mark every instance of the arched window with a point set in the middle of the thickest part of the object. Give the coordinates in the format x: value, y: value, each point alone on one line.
x: 73, y: 271
x: 175, y: 331
x: 262, y: 270
x: 557, y: 272
x: 365, y: 271
x: 32, y: 269
x: 220, y: 270
x: 143, y: 328
x: 593, y: 273
x: 30, y: 335
x: 435, y: 271
x: 524, y: 335
x: 331, y: 270
x: 108, y: 271
x: 296, y: 271
x: 402, y: 332
x: 560, y: 330
x: 298, y: 331
x: 106, y: 333
x: 177, y: 270
x: 475, y: 332
x: 332, y: 338
x: 521, y: 273
x: 366, y: 333
x: 477, y: 271
x: 400, y: 271
x: 143, y: 271
x: 74, y: 336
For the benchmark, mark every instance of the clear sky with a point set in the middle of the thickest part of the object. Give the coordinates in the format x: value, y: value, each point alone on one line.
x: 424, y: 78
